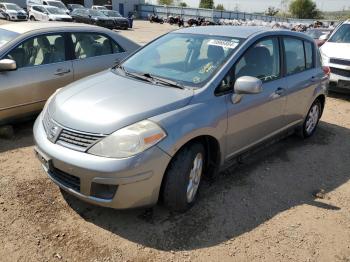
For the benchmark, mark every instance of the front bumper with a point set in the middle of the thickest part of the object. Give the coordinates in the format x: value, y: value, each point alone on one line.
x: 339, y: 77
x: 18, y: 17
x: 138, y: 179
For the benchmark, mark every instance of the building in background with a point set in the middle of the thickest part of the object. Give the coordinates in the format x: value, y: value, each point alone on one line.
x: 123, y: 6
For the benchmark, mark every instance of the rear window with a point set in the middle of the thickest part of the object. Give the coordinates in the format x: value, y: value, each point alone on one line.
x: 308, y: 55
x: 6, y: 36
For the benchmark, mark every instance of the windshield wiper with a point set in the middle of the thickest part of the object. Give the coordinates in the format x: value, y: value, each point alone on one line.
x: 150, y: 78
x: 135, y: 75
x: 165, y: 81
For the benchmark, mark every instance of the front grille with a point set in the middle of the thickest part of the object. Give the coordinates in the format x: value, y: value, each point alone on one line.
x: 339, y: 61
x: 77, y: 141
x: 340, y: 72
x: 65, y: 179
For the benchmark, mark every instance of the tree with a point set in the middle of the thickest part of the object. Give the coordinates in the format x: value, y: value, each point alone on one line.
x: 165, y: 2
x: 209, y: 4
x: 220, y: 7
x: 271, y: 11
x: 183, y: 4
x: 304, y: 9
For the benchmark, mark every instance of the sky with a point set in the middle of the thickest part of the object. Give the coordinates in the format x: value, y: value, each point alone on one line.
x: 262, y: 5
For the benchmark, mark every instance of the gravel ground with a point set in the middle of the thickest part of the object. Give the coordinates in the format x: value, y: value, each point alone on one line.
x: 288, y: 202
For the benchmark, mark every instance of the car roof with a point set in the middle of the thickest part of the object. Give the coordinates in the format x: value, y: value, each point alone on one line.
x: 230, y: 31
x: 25, y: 27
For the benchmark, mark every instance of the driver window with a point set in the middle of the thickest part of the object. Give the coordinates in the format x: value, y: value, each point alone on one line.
x: 262, y: 61
x: 41, y: 50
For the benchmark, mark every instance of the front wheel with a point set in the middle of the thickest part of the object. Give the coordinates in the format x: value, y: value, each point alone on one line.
x: 183, y: 177
x: 32, y: 18
x: 312, y: 119
x: 8, y: 18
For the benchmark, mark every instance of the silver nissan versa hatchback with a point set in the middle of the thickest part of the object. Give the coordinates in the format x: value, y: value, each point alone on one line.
x: 177, y: 110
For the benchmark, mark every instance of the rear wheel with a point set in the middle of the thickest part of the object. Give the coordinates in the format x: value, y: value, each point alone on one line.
x: 183, y: 178
x: 312, y: 119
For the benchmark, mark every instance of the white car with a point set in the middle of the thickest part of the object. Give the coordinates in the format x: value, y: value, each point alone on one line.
x: 12, y: 12
x: 99, y: 7
x: 48, y: 13
x: 54, y: 3
x: 336, y: 54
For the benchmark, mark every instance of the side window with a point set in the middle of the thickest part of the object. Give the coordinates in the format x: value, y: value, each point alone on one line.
x: 261, y: 60
x: 294, y: 54
x: 39, y: 50
x: 92, y: 44
x: 308, y: 54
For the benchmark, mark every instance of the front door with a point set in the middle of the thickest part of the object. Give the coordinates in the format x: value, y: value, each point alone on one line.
x: 93, y: 53
x: 256, y: 117
x: 42, y: 68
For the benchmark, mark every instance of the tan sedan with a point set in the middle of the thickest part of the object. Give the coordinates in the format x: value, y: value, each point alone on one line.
x: 38, y: 58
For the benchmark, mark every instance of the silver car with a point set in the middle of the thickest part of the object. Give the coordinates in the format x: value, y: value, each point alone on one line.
x: 38, y: 58
x: 177, y: 110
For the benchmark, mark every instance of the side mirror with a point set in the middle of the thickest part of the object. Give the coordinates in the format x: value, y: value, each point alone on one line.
x: 7, y: 65
x: 248, y: 85
x: 323, y: 37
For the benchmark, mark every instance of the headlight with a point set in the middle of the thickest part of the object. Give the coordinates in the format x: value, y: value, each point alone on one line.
x: 129, y: 140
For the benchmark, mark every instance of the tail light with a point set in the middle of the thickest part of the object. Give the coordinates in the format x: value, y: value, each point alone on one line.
x: 326, y: 70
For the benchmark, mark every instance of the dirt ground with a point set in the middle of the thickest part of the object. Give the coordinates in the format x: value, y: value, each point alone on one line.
x: 262, y: 210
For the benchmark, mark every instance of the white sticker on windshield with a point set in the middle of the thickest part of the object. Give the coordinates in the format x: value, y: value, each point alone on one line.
x: 223, y: 43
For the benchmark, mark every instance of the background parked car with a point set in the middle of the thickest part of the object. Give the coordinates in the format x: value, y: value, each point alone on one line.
x: 320, y: 35
x: 48, y: 13
x: 37, y: 58
x: 119, y: 21
x: 336, y: 54
x: 94, y: 17
x: 71, y: 7
x: 54, y: 3
x: 13, y: 12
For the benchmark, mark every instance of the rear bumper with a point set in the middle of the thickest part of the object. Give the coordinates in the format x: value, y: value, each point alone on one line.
x: 137, y: 179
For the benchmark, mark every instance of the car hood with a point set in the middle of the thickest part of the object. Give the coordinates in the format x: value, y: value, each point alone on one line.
x: 106, y: 102
x: 336, y: 50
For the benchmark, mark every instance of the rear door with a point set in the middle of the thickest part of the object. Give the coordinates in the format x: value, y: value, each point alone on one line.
x: 93, y: 53
x: 302, y: 76
x: 42, y: 67
x: 256, y: 117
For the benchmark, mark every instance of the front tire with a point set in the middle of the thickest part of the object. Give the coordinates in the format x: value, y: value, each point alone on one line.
x: 8, y: 18
x: 32, y: 18
x: 312, y: 118
x: 183, y: 177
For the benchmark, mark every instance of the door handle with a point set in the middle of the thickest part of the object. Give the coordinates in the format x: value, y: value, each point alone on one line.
x: 61, y: 72
x: 280, y: 91
x: 313, y: 79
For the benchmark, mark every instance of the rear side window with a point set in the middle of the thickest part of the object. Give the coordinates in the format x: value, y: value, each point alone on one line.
x: 91, y: 44
x: 308, y: 55
x: 294, y: 55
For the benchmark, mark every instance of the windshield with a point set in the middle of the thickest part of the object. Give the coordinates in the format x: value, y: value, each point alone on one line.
x: 13, y: 7
x: 189, y: 59
x: 57, y: 4
x: 342, y: 35
x: 111, y: 13
x: 55, y: 11
x: 6, y: 36
x: 315, y: 34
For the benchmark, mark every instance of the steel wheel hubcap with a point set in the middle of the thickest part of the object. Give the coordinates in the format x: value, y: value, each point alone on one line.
x: 195, y: 177
x: 312, y: 119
